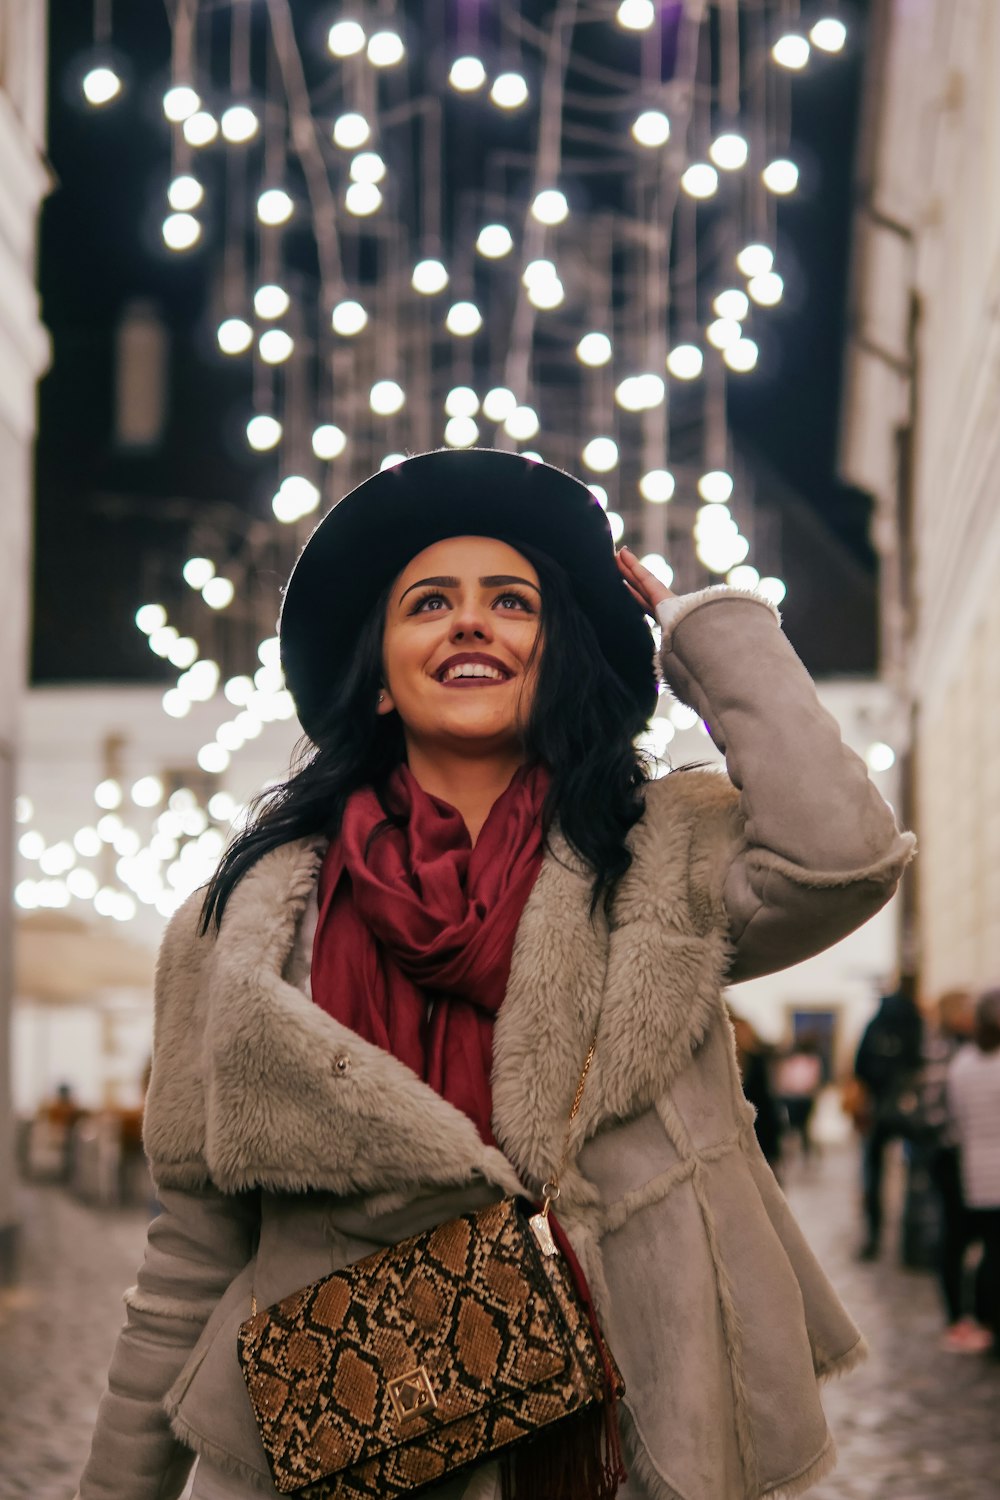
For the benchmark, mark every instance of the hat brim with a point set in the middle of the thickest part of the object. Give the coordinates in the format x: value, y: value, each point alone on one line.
x: 368, y: 538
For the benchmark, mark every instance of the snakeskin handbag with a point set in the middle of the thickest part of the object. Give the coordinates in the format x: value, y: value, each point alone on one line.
x: 434, y: 1355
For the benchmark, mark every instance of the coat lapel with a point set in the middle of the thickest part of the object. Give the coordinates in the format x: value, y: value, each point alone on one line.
x: 295, y: 1100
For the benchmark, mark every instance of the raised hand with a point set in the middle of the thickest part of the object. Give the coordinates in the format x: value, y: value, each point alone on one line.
x: 645, y: 588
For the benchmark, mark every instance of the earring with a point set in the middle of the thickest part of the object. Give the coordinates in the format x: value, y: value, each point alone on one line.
x: 381, y: 697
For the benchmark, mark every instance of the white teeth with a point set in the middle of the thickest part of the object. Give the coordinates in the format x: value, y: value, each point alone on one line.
x: 473, y: 669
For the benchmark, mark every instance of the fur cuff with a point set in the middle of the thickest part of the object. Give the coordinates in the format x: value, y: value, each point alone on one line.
x: 672, y: 611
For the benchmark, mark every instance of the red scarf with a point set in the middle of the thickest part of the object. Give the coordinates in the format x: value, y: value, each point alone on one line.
x: 416, y: 915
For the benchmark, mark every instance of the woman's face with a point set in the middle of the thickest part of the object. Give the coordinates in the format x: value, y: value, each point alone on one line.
x: 461, y: 628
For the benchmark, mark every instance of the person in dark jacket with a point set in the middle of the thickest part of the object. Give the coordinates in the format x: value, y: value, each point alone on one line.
x: 887, y: 1064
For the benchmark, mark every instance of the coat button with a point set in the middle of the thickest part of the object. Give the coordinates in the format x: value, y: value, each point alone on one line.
x: 342, y: 1065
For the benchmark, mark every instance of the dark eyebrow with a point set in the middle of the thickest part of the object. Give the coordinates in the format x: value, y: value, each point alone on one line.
x: 492, y: 581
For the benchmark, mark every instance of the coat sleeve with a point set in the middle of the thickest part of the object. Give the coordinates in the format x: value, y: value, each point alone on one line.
x: 818, y: 851
x: 195, y: 1247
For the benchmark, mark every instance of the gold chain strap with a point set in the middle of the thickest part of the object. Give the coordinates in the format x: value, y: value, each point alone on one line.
x: 550, y: 1189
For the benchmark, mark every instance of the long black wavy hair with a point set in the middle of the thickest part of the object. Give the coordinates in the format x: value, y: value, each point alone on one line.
x: 582, y: 727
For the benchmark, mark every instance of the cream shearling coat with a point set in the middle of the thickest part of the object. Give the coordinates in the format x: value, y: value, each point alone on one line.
x: 281, y: 1142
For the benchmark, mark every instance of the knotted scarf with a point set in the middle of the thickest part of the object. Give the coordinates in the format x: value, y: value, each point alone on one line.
x: 416, y: 928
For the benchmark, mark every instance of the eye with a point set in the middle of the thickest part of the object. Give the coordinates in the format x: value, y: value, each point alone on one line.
x: 423, y: 602
x: 511, y: 601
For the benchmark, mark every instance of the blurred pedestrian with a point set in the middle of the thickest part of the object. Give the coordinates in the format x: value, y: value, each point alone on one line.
x: 888, y: 1065
x: 974, y: 1099
x: 948, y: 1027
x: 60, y: 1115
x: 798, y: 1078
x: 753, y: 1057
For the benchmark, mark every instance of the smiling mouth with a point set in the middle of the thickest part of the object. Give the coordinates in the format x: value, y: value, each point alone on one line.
x: 472, y: 670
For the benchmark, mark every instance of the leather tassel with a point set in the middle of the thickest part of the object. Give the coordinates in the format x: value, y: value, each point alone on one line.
x: 581, y: 1457
x: 573, y: 1460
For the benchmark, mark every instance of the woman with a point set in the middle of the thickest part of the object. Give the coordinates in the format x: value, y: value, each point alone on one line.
x: 333, y: 1066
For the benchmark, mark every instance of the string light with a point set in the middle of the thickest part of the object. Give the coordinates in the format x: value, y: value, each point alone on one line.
x: 201, y: 128
x: 464, y: 319
x: 219, y: 593
x: 271, y: 301
x: 640, y: 392
x: 522, y: 424
x: 754, y: 260
x: 791, y: 51
x: 297, y: 497
x: 550, y: 206
x: 743, y: 576
x: 386, y: 398
x: 767, y: 289
x: 467, y: 75
x: 685, y: 361
x: 197, y: 571
x: 275, y: 346
x: 781, y: 177
x: 716, y: 487
x: 348, y: 318
x: 594, y: 349
x: 274, y: 206
x: 234, y: 336
x: 700, y: 180
x: 385, y: 49
x: 509, y: 91
x: 185, y: 193
x: 101, y: 85
x: 651, y: 128
x: 239, y: 124
x: 345, y: 38
x: 657, y: 486
x: 367, y: 166
x: 828, y: 34
x: 741, y: 357
x: 181, y: 231
x: 362, y: 199
x: 328, y: 441
x: 772, y: 589
x: 499, y: 403
x: 601, y: 454
x: 732, y: 304
x: 429, y: 277
x: 461, y: 401
x: 722, y: 332
x: 351, y: 130
x: 150, y: 617
x: 729, y: 152
x: 636, y: 15
x: 494, y: 241
x: 180, y: 103
x: 461, y: 432
x: 264, y: 432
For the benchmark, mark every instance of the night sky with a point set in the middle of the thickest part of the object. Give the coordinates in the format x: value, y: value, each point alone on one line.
x: 113, y: 528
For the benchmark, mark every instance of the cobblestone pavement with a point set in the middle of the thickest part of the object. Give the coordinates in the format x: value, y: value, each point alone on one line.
x: 913, y: 1424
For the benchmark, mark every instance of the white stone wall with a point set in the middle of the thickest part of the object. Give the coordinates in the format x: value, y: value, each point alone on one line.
x: 929, y: 225
x: 23, y: 356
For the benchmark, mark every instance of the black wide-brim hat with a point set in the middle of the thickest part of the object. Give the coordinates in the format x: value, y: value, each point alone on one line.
x: 368, y: 538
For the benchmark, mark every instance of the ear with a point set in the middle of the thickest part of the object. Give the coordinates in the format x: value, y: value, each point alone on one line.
x: 385, y: 703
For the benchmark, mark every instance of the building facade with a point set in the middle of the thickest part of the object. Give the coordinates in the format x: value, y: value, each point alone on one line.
x: 23, y: 356
x: 921, y: 433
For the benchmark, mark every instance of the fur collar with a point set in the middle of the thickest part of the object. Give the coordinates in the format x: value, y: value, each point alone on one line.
x: 253, y: 1085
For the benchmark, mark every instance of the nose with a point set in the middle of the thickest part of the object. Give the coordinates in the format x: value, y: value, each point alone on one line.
x: 471, y: 622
